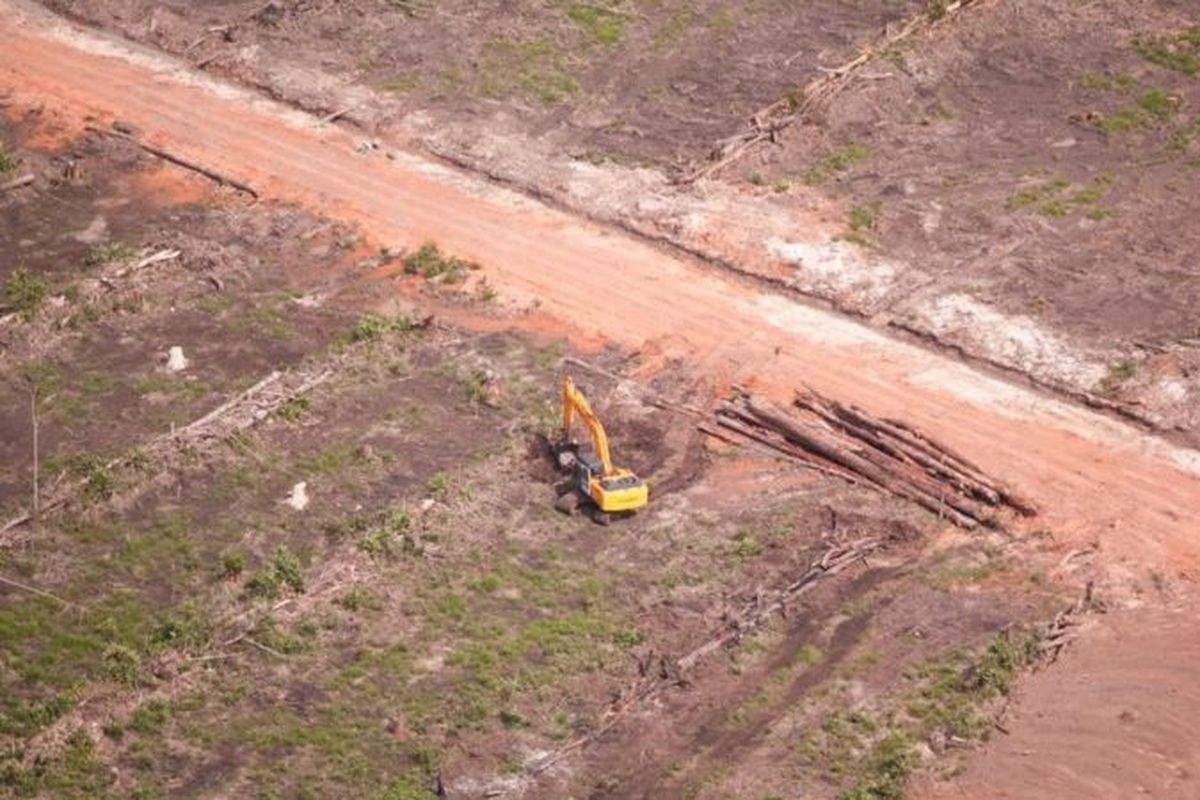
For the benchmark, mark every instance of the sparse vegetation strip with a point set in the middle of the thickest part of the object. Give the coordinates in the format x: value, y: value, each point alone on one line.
x: 803, y: 103
x: 658, y: 675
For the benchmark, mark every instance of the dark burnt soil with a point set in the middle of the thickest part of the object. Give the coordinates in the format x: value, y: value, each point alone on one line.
x: 637, y: 79
x: 1039, y: 158
x: 93, y: 336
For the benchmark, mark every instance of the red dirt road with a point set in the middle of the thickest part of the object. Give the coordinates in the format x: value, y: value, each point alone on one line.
x: 1097, y: 480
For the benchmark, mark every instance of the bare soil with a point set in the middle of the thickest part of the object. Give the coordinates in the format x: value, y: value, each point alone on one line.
x: 427, y: 617
x: 1034, y: 159
x: 96, y: 346
x: 1074, y: 727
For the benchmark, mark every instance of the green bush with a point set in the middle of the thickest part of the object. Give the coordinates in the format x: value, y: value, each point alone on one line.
x: 25, y: 292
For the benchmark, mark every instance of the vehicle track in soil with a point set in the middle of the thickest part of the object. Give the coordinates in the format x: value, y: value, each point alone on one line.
x: 1095, y: 478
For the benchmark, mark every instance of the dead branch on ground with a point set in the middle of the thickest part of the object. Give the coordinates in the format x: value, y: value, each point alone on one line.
x: 767, y: 123
x: 243, y: 411
x: 17, y: 183
x: 179, y: 161
x: 657, y: 676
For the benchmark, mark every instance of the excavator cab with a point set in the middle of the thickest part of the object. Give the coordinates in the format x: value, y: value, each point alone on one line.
x: 612, y: 490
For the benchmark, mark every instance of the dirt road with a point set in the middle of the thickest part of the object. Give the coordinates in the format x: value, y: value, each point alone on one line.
x: 1097, y: 479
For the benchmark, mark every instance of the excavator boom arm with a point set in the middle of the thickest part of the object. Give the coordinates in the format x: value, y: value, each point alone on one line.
x: 575, y: 403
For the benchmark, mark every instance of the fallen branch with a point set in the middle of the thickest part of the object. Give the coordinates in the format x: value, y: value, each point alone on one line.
x: 341, y: 112
x: 156, y: 258
x: 17, y: 183
x: 269, y: 650
x: 180, y: 161
x: 671, y: 672
x: 243, y: 411
x: 34, y: 590
x: 767, y: 123
x: 241, y: 398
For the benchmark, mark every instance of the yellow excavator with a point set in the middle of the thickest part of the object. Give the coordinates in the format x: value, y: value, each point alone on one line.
x: 611, y: 490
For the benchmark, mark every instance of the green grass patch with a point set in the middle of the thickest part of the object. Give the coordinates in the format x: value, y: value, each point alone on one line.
x: 357, y: 599
x: 1107, y: 82
x: 837, y: 162
x: 150, y: 717
x: 1179, y: 52
x: 432, y: 264
x: 1159, y: 105
x: 283, y: 572
x: 76, y: 774
x: 864, y: 218
x: 99, y: 481
x: 723, y: 21
x: 372, y: 327
x: 602, y: 24
x: 745, y: 547
x: 402, y: 83
x: 886, y: 770
x: 293, y: 409
x: 22, y: 719
x: 873, y: 753
x: 25, y: 292
x: 536, y: 68
x: 1182, y: 140
x: 8, y: 161
x: 1153, y: 109
x: 108, y: 253
x: 675, y: 27
x: 1117, y: 376
x: 51, y: 651
x: 1058, y: 197
x: 861, y: 222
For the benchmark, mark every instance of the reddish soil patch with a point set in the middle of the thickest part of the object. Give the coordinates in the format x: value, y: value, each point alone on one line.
x: 1114, y: 718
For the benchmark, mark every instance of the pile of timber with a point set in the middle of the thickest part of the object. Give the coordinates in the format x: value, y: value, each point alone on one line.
x: 848, y: 442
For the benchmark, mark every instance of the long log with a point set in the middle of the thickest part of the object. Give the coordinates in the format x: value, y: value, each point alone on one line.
x: 1010, y: 496
x: 17, y: 183
x: 786, y: 449
x: 180, y: 161
x: 881, y: 455
x: 865, y: 428
x: 935, y: 456
x: 830, y: 448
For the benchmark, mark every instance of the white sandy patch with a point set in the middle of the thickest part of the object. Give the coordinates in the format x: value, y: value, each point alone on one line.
x: 836, y: 267
x: 814, y: 324
x: 1009, y: 339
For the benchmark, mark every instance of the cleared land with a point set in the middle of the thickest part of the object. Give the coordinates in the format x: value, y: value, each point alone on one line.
x: 1010, y: 181
x: 427, y: 623
x: 427, y: 617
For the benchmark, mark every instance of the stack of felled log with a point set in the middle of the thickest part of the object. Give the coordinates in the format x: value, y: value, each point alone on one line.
x: 891, y: 455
